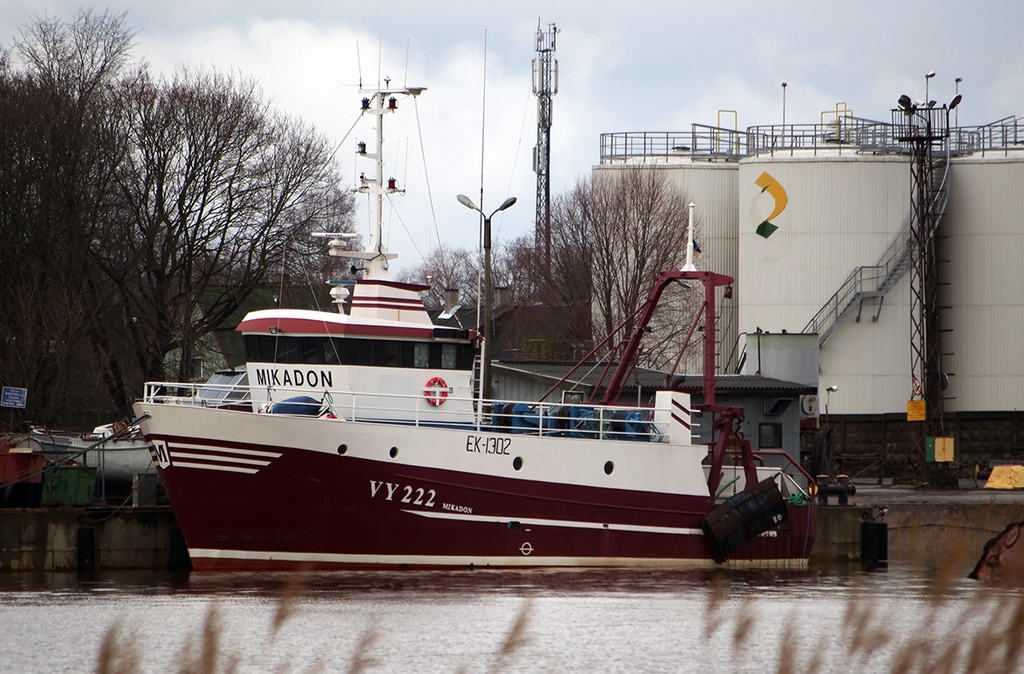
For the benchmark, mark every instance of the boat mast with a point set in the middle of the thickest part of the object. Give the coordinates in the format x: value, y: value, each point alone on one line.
x: 378, y: 102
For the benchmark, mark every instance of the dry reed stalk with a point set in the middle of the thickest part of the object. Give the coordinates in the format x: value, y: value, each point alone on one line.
x: 294, y: 589
x: 743, y: 624
x: 714, y: 616
x: 947, y: 573
x: 1014, y: 634
x: 115, y: 659
x: 789, y: 651
x: 108, y: 655
x: 516, y: 638
x: 361, y: 658
x: 205, y: 661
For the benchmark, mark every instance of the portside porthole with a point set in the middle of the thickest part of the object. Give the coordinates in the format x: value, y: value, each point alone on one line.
x: 609, y: 467
x: 393, y: 452
x: 342, y: 449
x: 517, y: 463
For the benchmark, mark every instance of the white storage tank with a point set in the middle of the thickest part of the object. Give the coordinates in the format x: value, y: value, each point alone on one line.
x: 981, y: 246
x: 842, y: 210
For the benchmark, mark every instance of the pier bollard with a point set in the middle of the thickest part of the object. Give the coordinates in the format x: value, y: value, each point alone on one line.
x: 844, y: 497
x: 874, y: 541
x: 822, y: 481
x: 86, y: 548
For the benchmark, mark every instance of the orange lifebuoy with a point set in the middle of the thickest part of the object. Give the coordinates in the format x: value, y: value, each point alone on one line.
x: 436, y: 391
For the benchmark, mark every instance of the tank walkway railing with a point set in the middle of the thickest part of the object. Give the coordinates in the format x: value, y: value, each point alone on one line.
x: 702, y: 142
x: 875, y: 281
x: 846, y: 132
x: 1003, y: 135
x: 712, y: 143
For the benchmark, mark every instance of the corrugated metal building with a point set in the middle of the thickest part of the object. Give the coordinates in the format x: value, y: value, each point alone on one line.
x: 831, y: 266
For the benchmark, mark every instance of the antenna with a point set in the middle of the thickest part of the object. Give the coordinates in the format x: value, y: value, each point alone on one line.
x: 405, y: 77
x: 545, y: 85
x: 483, y: 119
x: 482, y: 289
x: 359, y: 65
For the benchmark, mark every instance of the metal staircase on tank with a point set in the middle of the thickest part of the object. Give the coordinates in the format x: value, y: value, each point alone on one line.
x: 875, y: 281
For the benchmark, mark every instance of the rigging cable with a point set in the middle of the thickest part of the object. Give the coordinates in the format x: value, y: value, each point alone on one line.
x: 395, y: 213
x: 515, y: 156
x: 426, y: 174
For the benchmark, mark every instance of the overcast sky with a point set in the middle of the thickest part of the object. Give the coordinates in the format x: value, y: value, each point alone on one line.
x: 647, y: 65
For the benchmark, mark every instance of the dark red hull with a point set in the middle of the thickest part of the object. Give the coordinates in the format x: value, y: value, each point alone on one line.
x: 320, y: 511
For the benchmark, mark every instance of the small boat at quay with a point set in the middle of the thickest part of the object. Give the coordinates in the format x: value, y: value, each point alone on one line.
x: 119, y: 453
x: 363, y: 441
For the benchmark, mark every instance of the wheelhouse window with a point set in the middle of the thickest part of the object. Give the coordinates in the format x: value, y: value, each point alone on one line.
x: 358, y: 351
x: 421, y: 355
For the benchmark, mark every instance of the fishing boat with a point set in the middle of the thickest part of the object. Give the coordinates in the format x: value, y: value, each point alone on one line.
x: 363, y: 441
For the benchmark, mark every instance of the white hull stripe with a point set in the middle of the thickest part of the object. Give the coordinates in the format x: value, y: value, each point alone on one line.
x: 463, y: 560
x: 254, y: 453
x: 573, y: 524
x: 224, y: 459
x: 213, y: 466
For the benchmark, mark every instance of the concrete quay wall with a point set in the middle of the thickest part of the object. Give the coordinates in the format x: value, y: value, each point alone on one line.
x: 72, y: 539
x: 930, y: 527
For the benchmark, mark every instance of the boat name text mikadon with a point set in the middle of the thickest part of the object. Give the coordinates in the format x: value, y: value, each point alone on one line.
x: 296, y: 377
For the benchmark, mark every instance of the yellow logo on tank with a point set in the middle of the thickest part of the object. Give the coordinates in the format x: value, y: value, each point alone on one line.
x: 769, y: 184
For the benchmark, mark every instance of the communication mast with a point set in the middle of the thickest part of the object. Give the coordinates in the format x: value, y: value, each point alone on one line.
x: 545, y: 85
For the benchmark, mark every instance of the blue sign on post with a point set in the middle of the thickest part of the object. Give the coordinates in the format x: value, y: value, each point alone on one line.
x: 13, y: 396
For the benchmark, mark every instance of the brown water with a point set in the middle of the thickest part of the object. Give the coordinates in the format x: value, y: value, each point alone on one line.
x: 572, y: 621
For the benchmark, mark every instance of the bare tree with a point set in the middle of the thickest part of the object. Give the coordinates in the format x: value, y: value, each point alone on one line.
x: 58, y: 152
x: 612, y: 234
x: 444, y: 269
x: 140, y: 215
x: 460, y: 269
x: 216, y: 192
x: 569, y: 283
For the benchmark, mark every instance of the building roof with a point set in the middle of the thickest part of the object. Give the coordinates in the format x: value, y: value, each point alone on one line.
x: 743, y: 383
x: 590, y: 375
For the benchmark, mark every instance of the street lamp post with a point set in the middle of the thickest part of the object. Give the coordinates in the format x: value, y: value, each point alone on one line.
x: 957, y: 82
x: 485, y: 374
x: 828, y: 394
x: 784, y: 85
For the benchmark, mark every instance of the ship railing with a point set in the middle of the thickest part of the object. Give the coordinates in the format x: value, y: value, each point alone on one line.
x: 786, y: 466
x: 568, y: 420
x: 791, y: 477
